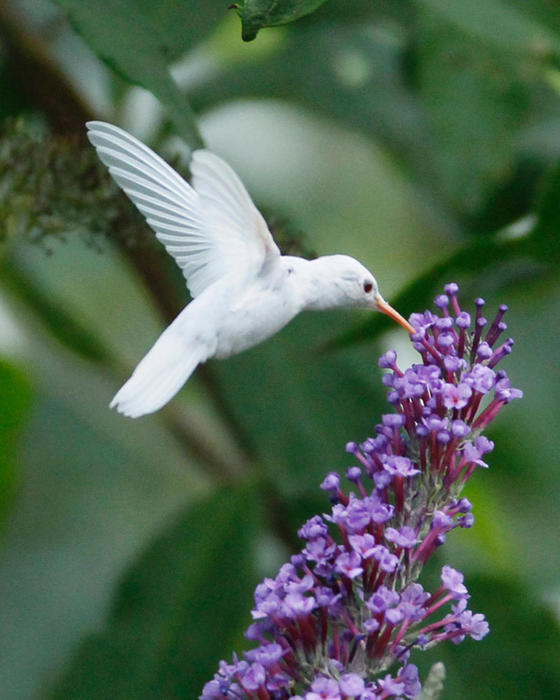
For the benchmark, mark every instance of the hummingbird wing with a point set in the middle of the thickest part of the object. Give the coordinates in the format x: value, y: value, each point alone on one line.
x: 211, y: 228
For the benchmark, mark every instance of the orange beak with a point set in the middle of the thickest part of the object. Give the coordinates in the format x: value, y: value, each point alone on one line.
x: 387, y: 309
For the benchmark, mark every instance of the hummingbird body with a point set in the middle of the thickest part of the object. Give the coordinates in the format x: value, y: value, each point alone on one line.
x: 243, y: 289
x: 259, y: 309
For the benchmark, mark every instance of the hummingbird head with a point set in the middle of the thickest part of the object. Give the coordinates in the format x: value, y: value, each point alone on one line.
x: 347, y: 283
x: 340, y: 281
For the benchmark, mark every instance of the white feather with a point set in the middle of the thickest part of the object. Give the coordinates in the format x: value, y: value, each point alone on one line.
x: 162, y: 372
x: 211, y: 228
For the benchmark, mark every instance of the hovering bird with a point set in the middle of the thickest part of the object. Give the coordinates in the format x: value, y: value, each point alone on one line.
x: 243, y: 289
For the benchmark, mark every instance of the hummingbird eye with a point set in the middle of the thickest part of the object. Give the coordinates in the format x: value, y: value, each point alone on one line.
x: 368, y: 286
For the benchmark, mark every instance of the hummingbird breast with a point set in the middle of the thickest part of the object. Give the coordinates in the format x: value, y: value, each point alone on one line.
x: 257, y: 310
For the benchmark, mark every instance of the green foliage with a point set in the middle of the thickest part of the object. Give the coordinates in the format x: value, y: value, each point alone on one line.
x: 131, y: 38
x: 506, y: 25
x: 545, y: 241
x: 455, y: 107
x: 519, y: 658
x: 54, y: 187
x: 15, y: 399
x: 179, y: 608
x: 479, y: 98
x: 68, y: 330
x: 178, y: 25
x: 257, y: 14
x: 348, y: 71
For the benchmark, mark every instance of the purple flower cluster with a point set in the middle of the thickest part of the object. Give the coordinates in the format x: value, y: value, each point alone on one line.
x: 348, y: 606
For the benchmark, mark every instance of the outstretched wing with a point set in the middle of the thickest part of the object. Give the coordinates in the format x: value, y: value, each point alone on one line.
x: 211, y: 229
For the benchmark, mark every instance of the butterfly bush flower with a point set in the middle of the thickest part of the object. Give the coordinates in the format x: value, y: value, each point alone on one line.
x: 342, y: 617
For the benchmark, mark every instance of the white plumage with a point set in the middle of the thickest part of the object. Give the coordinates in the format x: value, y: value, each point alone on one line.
x: 243, y: 290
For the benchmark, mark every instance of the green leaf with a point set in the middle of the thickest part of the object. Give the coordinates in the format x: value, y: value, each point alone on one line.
x: 478, y: 98
x: 179, y: 609
x: 122, y: 35
x: 499, y: 23
x: 545, y: 240
x: 257, y: 14
x: 180, y: 24
x: 15, y: 400
x: 64, y: 326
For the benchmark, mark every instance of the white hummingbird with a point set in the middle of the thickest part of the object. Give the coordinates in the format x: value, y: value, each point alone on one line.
x: 243, y: 289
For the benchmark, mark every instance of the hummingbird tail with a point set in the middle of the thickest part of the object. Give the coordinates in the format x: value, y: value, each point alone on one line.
x: 159, y: 376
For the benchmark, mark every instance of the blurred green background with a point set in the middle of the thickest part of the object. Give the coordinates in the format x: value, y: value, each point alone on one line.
x: 422, y: 137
